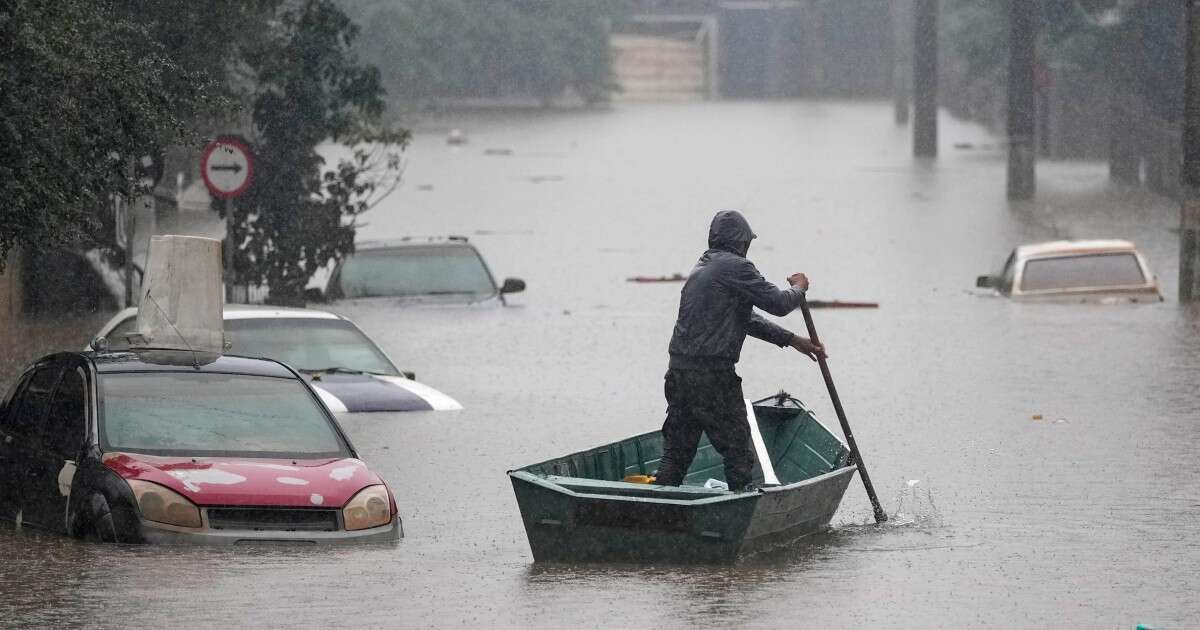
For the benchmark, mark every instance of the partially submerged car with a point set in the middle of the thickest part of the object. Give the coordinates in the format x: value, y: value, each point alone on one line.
x: 448, y: 270
x: 168, y: 446
x: 346, y: 369
x: 1076, y: 271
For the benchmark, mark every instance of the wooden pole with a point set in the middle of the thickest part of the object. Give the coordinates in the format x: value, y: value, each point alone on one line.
x: 1021, y: 100
x: 925, y: 79
x: 1189, y: 232
x: 855, y: 455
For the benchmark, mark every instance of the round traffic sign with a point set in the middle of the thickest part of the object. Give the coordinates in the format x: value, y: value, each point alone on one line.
x: 226, y: 167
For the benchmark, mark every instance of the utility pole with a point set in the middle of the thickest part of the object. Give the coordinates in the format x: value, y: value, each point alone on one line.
x: 925, y: 79
x: 901, y: 59
x: 1021, y: 100
x: 1124, y: 161
x: 1189, y: 228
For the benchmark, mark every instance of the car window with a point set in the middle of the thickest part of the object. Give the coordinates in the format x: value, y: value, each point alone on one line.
x: 1073, y: 272
x: 204, y: 414
x: 116, y: 337
x: 63, y: 431
x: 29, y: 405
x: 307, y: 343
x: 413, y: 271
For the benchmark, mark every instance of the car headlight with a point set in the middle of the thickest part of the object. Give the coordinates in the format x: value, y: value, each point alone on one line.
x: 162, y: 505
x: 371, y: 507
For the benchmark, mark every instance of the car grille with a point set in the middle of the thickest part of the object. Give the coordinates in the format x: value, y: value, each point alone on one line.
x: 273, y: 519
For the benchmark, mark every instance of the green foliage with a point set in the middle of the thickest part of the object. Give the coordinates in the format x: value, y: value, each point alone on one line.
x: 431, y: 50
x: 83, y: 90
x: 309, y: 88
x: 1138, y: 45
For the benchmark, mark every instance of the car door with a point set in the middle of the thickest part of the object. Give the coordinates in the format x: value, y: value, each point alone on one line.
x: 52, y: 466
x: 10, y: 491
x: 19, y: 435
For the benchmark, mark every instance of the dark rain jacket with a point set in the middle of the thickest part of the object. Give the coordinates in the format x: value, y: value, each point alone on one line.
x: 716, y: 306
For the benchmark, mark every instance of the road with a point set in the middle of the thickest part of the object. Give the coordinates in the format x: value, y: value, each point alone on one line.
x: 1086, y: 517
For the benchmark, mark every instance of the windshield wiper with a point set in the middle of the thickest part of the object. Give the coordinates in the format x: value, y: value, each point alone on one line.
x: 337, y: 369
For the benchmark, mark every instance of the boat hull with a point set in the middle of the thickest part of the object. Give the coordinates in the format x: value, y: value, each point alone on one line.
x: 574, y: 525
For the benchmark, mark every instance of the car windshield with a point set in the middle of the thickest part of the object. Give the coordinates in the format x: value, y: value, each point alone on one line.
x: 410, y: 271
x: 1077, y: 272
x: 307, y: 343
x: 204, y: 414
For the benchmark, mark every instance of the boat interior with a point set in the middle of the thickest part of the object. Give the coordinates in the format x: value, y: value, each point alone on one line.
x: 798, y: 445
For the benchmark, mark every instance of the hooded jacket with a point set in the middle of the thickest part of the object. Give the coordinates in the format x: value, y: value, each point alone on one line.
x: 716, y: 306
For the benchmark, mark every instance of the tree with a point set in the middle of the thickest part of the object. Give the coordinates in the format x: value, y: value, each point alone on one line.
x: 84, y: 89
x: 431, y: 50
x: 309, y: 87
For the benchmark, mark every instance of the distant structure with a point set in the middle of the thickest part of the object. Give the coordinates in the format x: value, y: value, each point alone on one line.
x: 670, y: 50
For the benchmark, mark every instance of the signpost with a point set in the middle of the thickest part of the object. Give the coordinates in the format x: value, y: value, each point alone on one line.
x: 227, y: 168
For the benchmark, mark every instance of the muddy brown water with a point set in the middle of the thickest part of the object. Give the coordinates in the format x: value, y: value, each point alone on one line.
x: 1089, y: 517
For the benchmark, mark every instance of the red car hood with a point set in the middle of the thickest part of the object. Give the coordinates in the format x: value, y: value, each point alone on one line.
x: 210, y: 481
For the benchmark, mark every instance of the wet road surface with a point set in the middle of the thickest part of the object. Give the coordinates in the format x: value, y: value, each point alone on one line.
x: 1089, y: 517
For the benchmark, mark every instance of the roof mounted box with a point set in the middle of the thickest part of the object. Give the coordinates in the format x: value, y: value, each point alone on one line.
x: 182, y: 296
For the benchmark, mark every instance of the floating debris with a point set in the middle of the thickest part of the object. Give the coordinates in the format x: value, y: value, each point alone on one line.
x: 425, y: 187
x: 841, y: 304
x: 497, y: 151
x: 677, y: 277
x: 538, y: 179
x: 456, y: 137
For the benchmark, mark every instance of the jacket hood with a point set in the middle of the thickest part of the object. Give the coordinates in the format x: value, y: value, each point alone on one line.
x: 730, y: 231
x: 233, y: 481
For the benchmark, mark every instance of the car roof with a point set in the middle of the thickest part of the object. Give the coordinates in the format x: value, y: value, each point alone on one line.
x: 1051, y: 248
x: 258, y: 311
x: 180, y: 361
x: 413, y: 241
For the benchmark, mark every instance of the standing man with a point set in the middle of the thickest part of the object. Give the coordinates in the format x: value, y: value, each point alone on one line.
x: 716, y: 312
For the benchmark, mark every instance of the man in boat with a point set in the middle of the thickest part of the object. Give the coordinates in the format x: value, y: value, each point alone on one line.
x: 716, y: 312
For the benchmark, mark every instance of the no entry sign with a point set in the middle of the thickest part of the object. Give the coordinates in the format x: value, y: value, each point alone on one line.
x: 226, y: 167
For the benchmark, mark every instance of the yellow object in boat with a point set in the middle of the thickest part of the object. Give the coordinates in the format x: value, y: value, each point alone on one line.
x: 639, y: 479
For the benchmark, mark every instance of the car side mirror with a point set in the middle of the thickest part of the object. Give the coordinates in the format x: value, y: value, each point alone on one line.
x: 314, y: 295
x: 512, y: 285
x: 985, y: 282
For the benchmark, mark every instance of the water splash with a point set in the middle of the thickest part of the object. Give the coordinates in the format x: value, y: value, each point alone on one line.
x: 915, y: 506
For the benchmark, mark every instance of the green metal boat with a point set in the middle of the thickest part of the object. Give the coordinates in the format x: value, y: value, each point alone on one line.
x: 577, y: 508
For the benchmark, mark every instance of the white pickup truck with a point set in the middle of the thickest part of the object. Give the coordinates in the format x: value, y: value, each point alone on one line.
x: 1075, y: 271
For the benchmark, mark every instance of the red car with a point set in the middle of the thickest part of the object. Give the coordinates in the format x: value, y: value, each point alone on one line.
x: 178, y: 447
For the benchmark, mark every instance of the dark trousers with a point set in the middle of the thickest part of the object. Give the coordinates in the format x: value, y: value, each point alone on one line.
x: 710, y: 402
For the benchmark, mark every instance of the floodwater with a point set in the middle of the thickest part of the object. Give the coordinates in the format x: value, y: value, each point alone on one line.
x: 1086, y: 518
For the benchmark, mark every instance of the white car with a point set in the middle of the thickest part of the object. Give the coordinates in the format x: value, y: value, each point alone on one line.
x: 346, y: 369
x: 1076, y: 271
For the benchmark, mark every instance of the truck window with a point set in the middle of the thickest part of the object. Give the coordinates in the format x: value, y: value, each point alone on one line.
x: 1006, y: 276
x: 1080, y: 272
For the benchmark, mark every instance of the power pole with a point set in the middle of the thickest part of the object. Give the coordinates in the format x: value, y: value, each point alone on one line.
x: 1022, y: 101
x: 901, y: 15
x: 1189, y: 227
x: 925, y: 79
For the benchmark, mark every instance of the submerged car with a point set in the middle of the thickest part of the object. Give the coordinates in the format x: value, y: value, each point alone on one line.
x: 446, y: 270
x: 346, y: 369
x: 1076, y: 271
x: 161, y: 446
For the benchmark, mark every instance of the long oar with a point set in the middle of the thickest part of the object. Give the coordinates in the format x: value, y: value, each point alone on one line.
x: 880, y: 515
